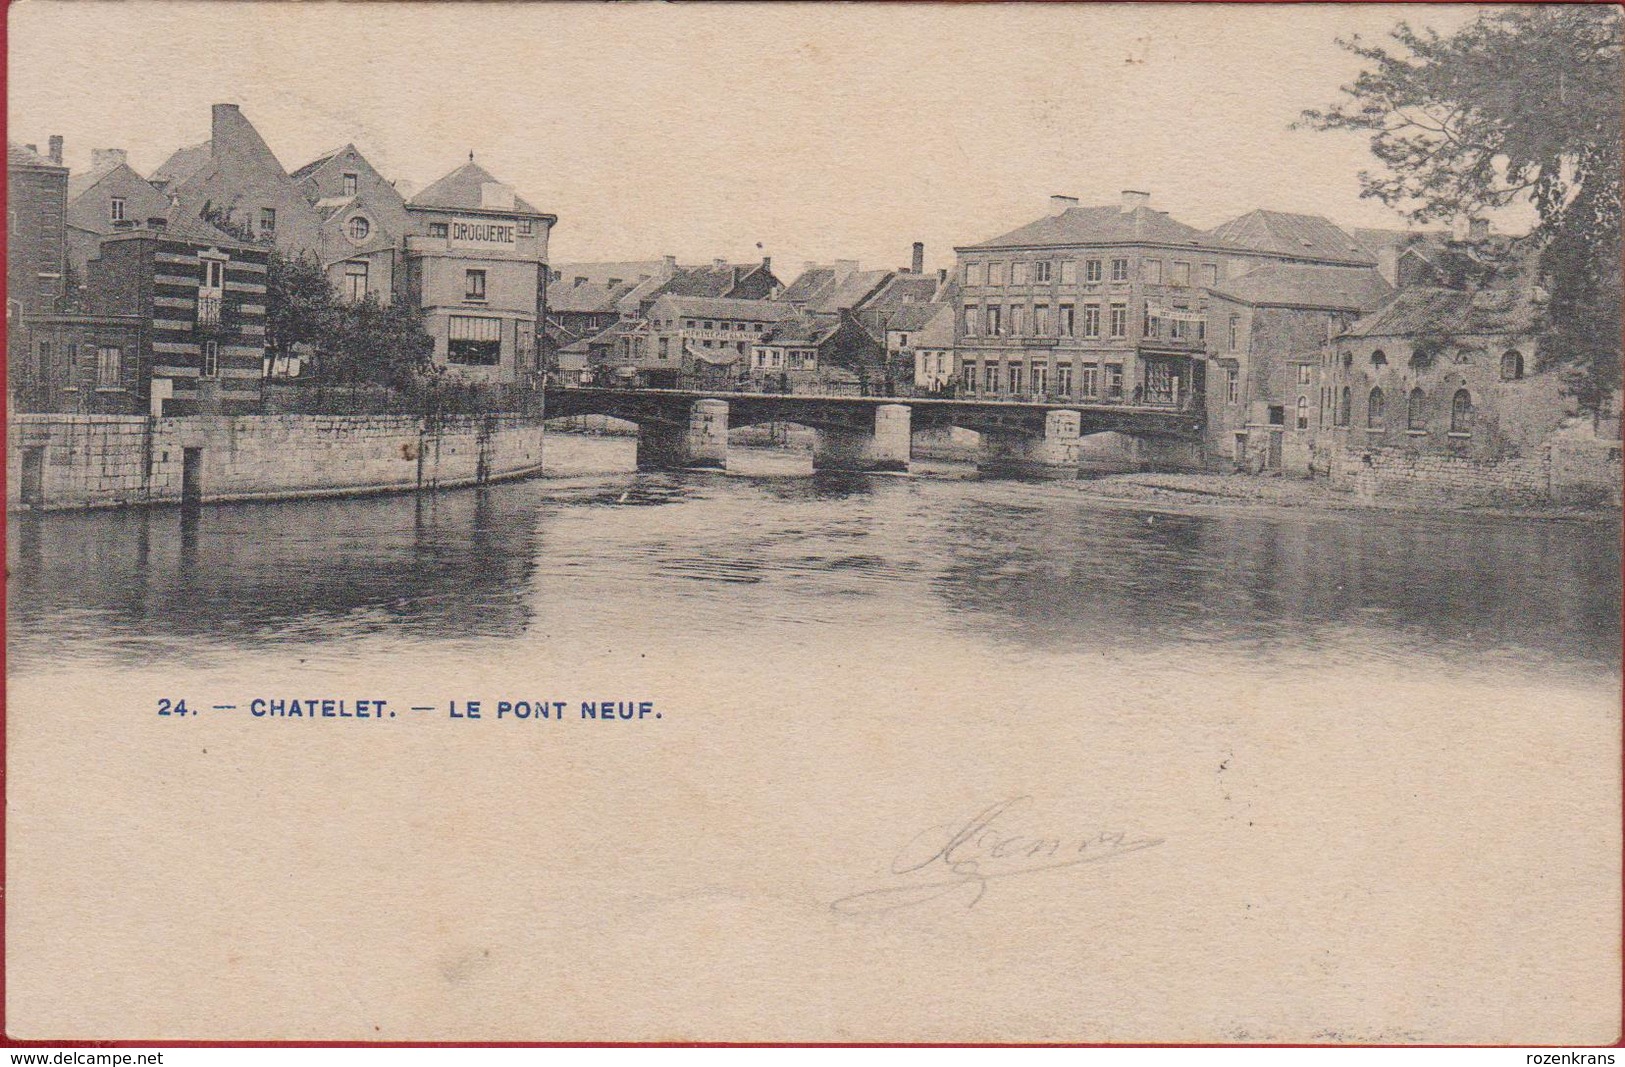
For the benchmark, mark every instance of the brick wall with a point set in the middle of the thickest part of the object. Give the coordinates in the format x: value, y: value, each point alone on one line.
x: 83, y: 461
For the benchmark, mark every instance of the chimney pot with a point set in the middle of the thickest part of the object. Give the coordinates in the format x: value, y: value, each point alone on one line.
x: 719, y: 262
x: 1058, y: 204
x: 767, y: 264
x: 56, y: 148
x: 1135, y: 198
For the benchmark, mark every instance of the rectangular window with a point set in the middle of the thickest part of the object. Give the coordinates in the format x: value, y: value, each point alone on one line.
x: 350, y: 183
x: 474, y: 287
x: 1153, y: 272
x: 1180, y: 328
x: 108, y: 368
x: 1069, y: 272
x: 1068, y: 319
x: 1119, y: 321
x: 214, y: 275
x: 1063, y: 379
x: 268, y: 220
x: 1041, y: 323
x: 1041, y: 271
x: 1114, y: 380
x: 1018, y: 273
x: 71, y: 369
x: 355, y: 282
x: 527, y: 227
x: 1303, y: 374
x: 439, y: 229
x: 1040, y: 379
x: 990, y: 377
x: 1091, y: 271
x: 972, y: 312
x: 975, y: 273
x: 1235, y: 331
x: 994, y: 322
x: 118, y: 209
x: 665, y: 348
x: 1210, y: 274
x: 970, y: 376
x: 1182, y: 273
x: 211, y: 359
x: 1018, y: 320
x: 1232, y: 384
x: 474, y: 341
x: 1119, y: 270
x: 1089, y: 380
x: 1091, y: 320
x: 1015, y: 377
x: 995, y: 274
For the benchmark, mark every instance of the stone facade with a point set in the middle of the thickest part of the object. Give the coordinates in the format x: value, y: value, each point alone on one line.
x: 85, y: 461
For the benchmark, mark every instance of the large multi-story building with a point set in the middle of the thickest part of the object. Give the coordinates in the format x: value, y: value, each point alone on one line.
x: 363, y: 223
x: 476, y: 263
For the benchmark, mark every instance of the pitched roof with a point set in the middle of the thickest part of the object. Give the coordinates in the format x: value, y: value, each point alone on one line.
x: 938, y: 332
x: 1104, y: 225
x: 600, y: 273
x: 721, y: 307
x: 183, y: 163
x: 813, y: 284
x: 586, y: 297
x: 853, y: 290
x: 462, y: 189
x: 1301, y: 285
x: 316, y: 164
x: 1282, y: 233
x: 84, y: 181
x: 902, y: 290
x: 1436, y: 310
x: 718, y: 279
x: 801, y: 331
x: 912, y: 316
x: 18, y: 155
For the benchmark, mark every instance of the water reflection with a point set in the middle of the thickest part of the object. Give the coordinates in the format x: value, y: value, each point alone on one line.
x: 774, y: 555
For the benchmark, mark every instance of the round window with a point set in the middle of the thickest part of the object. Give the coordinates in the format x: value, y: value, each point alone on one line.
x: 359, y: 228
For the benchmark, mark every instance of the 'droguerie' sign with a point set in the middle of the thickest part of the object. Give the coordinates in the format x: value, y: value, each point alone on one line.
x: 483, y: 233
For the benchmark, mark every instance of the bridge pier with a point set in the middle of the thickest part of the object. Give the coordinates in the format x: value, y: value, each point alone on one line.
x: 702, y: 444
x: 885, y: 448
x: 1057, y: 454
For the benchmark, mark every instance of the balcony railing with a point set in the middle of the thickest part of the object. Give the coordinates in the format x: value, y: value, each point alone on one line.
x: 208, y: 309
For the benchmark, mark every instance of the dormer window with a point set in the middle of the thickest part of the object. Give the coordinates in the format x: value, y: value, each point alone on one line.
x: 350, y: 183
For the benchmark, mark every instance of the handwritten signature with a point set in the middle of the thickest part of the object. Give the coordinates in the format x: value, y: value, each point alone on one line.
x: 989, y: 846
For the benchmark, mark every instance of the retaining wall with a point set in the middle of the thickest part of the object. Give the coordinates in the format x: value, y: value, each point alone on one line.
x: 86, y: 461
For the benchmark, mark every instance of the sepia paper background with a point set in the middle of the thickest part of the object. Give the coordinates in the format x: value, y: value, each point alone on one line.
x: 1421, y: 856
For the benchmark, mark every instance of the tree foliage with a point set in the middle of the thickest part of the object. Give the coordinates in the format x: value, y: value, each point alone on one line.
x: 354, y: 343
x: 1521, y: 106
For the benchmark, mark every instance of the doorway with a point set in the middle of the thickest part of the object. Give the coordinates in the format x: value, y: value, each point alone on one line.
x: 33, y: 487
x: 192, y: 476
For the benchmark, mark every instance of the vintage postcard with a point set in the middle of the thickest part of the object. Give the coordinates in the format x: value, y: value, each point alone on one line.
x: 813, y: 523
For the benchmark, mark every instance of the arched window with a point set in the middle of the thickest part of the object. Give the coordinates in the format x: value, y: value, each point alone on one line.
x: 1416, y: 410
x: 1379, y: 358
x: 1343, y: 407
x: 1512, y: 366
x: 1303, y: 413
x: 1373, y: 408
x: 1461, y: 412
x: 1348, y: 360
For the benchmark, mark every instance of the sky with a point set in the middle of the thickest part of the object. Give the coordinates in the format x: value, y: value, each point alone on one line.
x: 804, y: 132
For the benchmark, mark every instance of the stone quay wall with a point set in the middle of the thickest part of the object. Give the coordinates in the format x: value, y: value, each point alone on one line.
x: 57, y: 462
x: 1573, y: 466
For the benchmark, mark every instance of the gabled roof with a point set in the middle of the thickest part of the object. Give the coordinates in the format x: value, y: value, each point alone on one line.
x: 900, y: 291
x: 718, y: 279
x: 182, y: 164
x: 1436, y: 310
x: 1106, y: 225
x: 852, y: 291
x: 912, y: 316
x: 1282, y: 233
x: 316, y: 164
x: 1310, y: 286
x: 801, y: 332
x: 813, y: 284
x: 938, y: 332
x: 18, y: 155
x: 83, y: 182
x: 720, y: 307
x: 587, y: 297
x: 461, y: 190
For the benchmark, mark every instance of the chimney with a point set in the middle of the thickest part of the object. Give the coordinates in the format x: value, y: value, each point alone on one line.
x: 106, y: 157
x: 719, y: 263
x: 157, y: 222
x: 56, y: 149
x: 918, y: 262
x: 1478, y: 229
x: 1134, y: 199
x: 767, y: 264
x: 942, y: 275
x: 221, y: 118
x: 671, y: 263
x: 1058, y: 204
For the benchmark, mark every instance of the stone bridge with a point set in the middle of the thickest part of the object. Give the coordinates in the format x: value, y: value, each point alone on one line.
x: 681, y: 428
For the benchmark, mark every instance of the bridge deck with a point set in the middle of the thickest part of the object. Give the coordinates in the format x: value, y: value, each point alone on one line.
x: 876, y: 401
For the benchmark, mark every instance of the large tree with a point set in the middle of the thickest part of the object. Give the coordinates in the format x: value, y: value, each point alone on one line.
x: 1521, y: 106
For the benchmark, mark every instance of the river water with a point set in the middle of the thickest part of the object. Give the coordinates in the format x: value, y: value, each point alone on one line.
x: 1392, y: 695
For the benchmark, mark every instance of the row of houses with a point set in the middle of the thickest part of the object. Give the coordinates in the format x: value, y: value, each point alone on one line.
x: 136, y: 294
